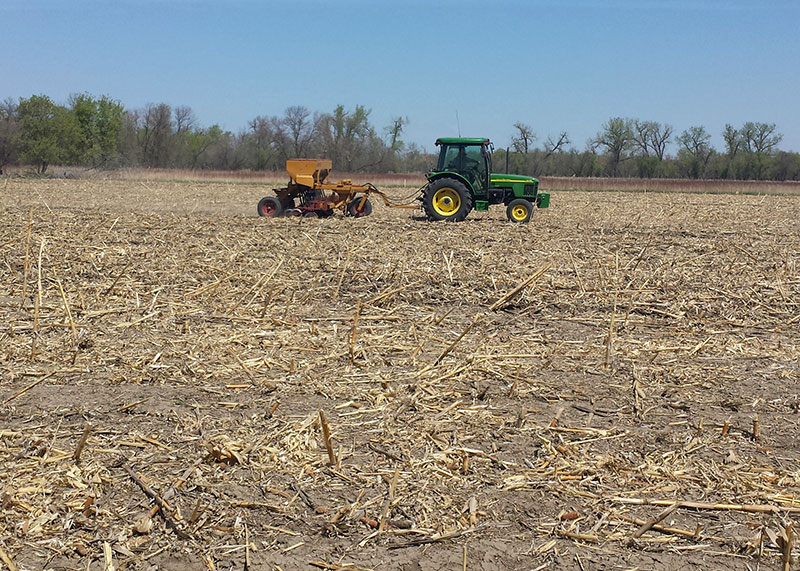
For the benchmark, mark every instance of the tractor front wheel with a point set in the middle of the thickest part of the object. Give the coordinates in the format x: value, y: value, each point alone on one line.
x: 447, y: 199
x: 519, y: 210
x: 270, y: 206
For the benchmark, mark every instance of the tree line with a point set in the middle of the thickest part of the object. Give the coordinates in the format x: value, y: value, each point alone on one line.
x: 626, y: 147
x: 99, y: 132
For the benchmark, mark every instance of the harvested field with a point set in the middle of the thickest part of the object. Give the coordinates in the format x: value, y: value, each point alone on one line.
x: 185, y: 385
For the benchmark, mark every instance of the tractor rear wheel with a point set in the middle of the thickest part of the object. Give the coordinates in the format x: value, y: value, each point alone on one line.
x: 519, y: 210
x: 357, y: 210
x: 447, y: 199
x: 270, y: 206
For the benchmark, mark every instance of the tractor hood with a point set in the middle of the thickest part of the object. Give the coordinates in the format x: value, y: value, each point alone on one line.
x: 498, y: 178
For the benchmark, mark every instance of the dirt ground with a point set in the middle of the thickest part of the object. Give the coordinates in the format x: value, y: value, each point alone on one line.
x: 170, y: 363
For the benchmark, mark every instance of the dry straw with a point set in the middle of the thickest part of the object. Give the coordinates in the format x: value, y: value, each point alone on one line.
x: 614, y: 379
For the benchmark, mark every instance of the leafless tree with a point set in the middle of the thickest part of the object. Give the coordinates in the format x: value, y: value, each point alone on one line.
x: 524, y: 137
x: 552, y: 145
x: 651, y: 137
x: 299, y: 128
x: 184, y: 118
x: 154, y: 133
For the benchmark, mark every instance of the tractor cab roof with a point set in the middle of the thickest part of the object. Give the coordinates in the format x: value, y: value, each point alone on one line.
x: 461, y: 141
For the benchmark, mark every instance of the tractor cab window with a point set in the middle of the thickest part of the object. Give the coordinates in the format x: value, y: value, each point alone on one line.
x: 475, y: 164
x: 451, y: 158
x: 467, y: 160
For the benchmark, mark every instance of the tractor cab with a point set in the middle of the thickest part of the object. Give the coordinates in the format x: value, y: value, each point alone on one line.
x: 471, y: 159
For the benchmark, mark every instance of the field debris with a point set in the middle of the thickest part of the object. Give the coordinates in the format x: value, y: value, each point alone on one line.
x: 185, y: 385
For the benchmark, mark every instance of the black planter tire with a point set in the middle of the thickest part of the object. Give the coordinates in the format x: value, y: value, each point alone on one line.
x: 270, y: 207
x: 356, y: 212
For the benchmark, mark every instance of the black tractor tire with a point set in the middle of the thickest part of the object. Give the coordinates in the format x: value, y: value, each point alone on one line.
x: 519, y: 210
x: 270, y: 207
x: 447, y: 199
x: 356, y: 212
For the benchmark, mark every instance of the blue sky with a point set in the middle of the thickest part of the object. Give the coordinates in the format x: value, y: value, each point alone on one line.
x: 555, y: 65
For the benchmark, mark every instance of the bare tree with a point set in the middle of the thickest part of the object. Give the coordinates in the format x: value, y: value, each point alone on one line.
x: 552, y: 146
x: 184, y: 118
x: 524, y: 137
x: 659, y: 139
x: 651, y: 137
x: 299, y: 128
x: 154, y: 133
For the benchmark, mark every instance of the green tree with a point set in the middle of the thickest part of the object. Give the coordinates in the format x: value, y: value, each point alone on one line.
x: 49, y: 133
x: 9, y: 133
x: 348, y: 138
x: 394, y: 145
x: 694, y: 151
x: 617, y: 139
x: 200, y: 141
x: 260, y: 146
x: 100, y: 125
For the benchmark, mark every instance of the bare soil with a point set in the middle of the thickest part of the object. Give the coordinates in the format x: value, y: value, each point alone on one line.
x: 651, y: 367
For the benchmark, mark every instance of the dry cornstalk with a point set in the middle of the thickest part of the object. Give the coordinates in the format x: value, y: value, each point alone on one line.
x: 354, y: 330
x: 452, y: 346
x: 26, y: 265
x: 749, y: 508
x: 38, y: 301
x: 67, y: 311
x: 27, y: 388
x: 326, y: 434
x: 389, y: 500
x: 649, y: 524
x: 119, y: 276
x: 788, y: 544
x: 6, y: 558
x: 525, y: 283
x: 82, y: 442
x: 610, y: 336
x: 669, y: 530
x: 161, y: 502
x: 108, y: 557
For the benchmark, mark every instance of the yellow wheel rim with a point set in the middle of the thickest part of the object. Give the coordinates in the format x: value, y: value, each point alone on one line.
x: 519, y: 213
x: 446, y: 201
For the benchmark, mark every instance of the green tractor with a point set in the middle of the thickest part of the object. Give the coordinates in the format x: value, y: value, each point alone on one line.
x: 463, y: 180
